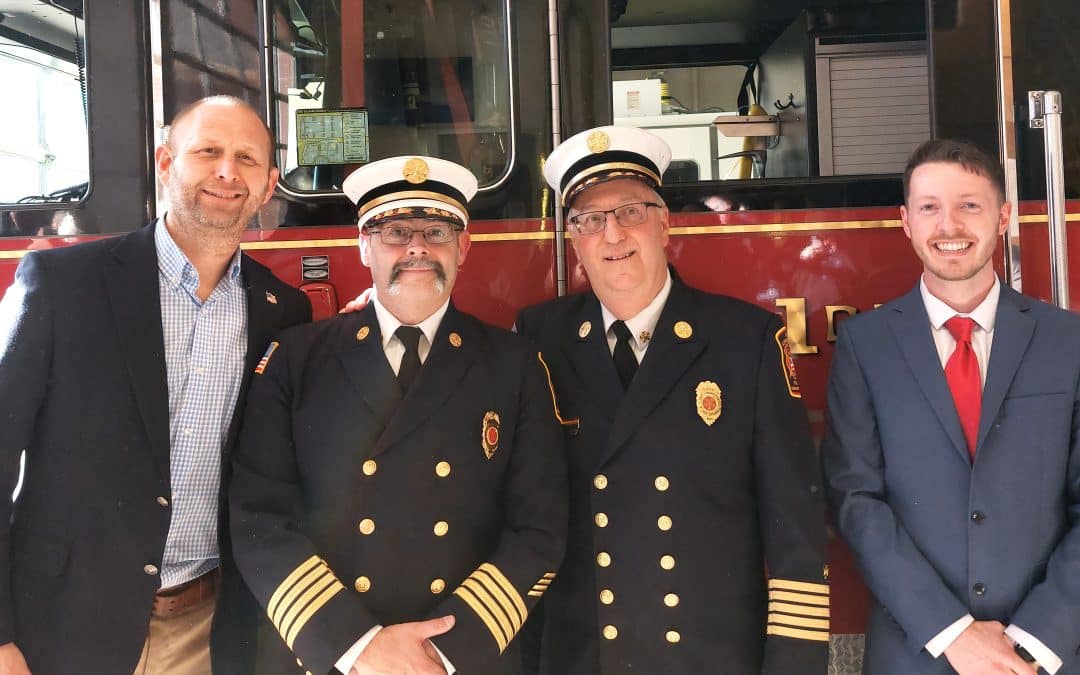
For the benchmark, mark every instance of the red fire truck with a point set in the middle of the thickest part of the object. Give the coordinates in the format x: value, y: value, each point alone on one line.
x: 790, y: 121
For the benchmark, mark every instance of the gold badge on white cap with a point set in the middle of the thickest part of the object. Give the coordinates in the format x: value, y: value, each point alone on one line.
x: 415, y: 170
x: 598, y: 142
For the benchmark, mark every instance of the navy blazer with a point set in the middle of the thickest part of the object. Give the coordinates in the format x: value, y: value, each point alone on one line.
x: 935, y: 535
x: 83, y: 391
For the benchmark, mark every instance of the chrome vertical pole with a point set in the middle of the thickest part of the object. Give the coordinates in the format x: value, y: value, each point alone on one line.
x: 1007, y: 138
x: 1045, y: 109
x: 556, y: 138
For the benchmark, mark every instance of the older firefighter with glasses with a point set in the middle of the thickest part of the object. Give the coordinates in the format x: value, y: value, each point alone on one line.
x: 400, y: 488
x: 697, y: 529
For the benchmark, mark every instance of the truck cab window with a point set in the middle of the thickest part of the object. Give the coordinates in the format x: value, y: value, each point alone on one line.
x: 44, y: 157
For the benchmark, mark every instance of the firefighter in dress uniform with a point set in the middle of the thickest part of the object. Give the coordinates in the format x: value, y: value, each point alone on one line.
x: 697, y: 527
x: 400, y: 465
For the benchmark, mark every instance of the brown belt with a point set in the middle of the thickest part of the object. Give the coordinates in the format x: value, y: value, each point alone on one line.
x: 176, y: 599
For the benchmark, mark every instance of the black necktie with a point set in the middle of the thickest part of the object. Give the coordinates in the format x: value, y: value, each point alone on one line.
x: 625, y: 362
x: 410, y: 361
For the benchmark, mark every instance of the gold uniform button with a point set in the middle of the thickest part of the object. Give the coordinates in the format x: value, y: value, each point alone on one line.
x: 607, y: 597
x: 671, y: 599
x: 662, y: 483
x: 672, y: 636
x: 162, y: 501
x: 601, y: 520
x: 664, y: 523
x: 362, y: 584
x: 438, y: 586
x: 599, y: 481
x: 603, y: 559
x: 667, y: 562
x: 152, y: 570
x: 611, y: 632
x: 369, y: 467
x: 442, y: 469
x: 441, y: 528
x: 367, y: 526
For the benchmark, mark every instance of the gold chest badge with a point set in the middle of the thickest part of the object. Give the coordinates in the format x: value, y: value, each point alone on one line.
x: 489, y: 434
x: 709, y: 401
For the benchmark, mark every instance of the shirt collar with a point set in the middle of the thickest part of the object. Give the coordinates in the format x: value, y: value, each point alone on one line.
x: 388, y: 323
x: 643, y: 324
x: 984, y: 314
x: 174, y: 264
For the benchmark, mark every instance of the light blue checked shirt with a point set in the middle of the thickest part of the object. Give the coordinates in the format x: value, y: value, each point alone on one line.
x: 205, y: 346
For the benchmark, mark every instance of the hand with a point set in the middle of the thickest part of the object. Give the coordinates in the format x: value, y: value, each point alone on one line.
x: 404, y: 649
x: 984, y: 649
x: 12, y: 661
x: 356, y: 304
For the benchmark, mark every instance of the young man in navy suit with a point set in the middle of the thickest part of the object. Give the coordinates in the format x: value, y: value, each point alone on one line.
x: 952, y: 457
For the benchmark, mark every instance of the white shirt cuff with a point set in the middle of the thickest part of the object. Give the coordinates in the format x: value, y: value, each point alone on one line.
x: 940, y: 642
x: 1046, y: 659
x: 345, y: 663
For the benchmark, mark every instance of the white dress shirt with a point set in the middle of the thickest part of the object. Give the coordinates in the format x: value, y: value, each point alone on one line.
x: 642, y: 325
x: 395, y: 350
x: 982, y: 336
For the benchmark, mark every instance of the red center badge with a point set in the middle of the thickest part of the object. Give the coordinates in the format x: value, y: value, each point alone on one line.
x: 490, y: 433
x: 709, y: 401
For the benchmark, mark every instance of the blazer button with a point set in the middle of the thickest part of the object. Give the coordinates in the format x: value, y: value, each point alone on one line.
x: 152, y: 570
x: 978, y: 516
x: 162, y: 501
x: 979, y: 589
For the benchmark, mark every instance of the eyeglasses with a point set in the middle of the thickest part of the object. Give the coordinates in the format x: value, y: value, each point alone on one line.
x: 627, y: 215
x: 401, y: 235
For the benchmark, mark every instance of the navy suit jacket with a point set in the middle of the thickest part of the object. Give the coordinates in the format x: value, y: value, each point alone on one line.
x: 83, y: 391
x: 936, y: 535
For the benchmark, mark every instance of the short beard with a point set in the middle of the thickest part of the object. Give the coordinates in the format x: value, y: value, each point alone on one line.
x: 394, y: 287
x: 218, y: 235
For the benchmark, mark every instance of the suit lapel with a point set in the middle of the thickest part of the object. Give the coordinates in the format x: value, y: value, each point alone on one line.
x: 263, y: 322
x: 131, y: 282
x: 1013, y: 328
x: 588, y: 352
x: 666, y: 361
x: 911, y: 325
x: 365, y: 364
x: 444, y: 368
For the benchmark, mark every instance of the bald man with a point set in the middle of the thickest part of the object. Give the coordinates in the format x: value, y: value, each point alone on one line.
x: 123, y: 366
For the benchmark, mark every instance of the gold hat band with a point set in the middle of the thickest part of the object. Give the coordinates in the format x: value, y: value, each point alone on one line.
x: 410, y: 194
x: 609, y: 166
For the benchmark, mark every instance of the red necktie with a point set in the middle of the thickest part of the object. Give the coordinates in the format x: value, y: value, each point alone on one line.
x: 962, y: 374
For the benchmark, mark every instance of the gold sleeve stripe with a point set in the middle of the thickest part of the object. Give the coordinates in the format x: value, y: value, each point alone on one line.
x: 508, y: 588
x: 301, y: 603
x: 501, y: 602
x: 798, y: 609
x: 551, y: 387
x: 789, y: 585
x: 294, y: 576
x: 500, y: 613
x: 312, y: 577
x: 315, y: 606
x: 467, y: 596
x: 534, y: 593
x: 549, y: 575
x: 819, y: 600
x: 818, y: 636
x: 543, y: 582
x: 789, y: 620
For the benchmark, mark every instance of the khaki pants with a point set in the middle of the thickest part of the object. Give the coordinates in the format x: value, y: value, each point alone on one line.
x: 178, y: 644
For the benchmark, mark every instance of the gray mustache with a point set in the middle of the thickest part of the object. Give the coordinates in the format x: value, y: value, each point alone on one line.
x: 418, y: 264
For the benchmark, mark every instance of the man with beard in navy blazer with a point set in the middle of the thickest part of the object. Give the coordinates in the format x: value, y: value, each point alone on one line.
x: 953, y: 451
x: 123, y: 370
x: 697, y: 532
